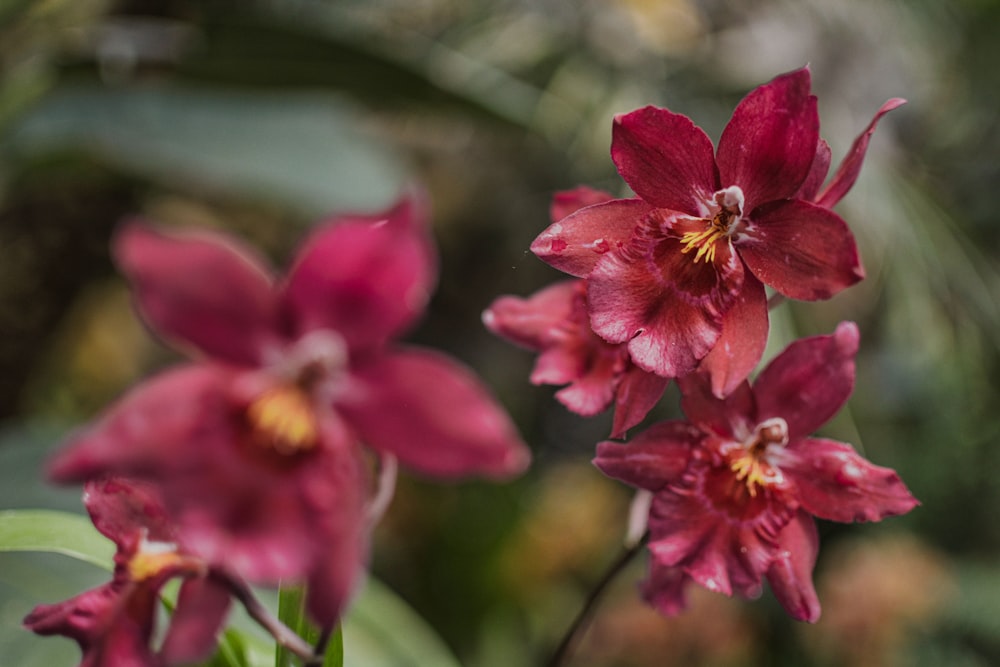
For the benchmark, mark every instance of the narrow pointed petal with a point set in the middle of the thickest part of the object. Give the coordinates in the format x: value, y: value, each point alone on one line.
x: 653, y: 459
x: 817, y: 173
x: 535, y: 322
x: 800, y: 249
x: 433, y: 414
x: 809, y: 381
x: 769, y: 145
x: 202, y: 605
x: 574, y: 244
x: 638, y: 392
x: 790, y: 575
x: 200, y: 290
x: 720, y: 416
x: 665, y: 158
x: 850, y: 168
x: 570, y: 201
x: 743, y: 339
x: 834, y: 482
x: 366, y: 277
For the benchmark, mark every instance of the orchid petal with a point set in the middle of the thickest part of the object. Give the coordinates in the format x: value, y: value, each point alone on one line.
x: 769, y: 145
x: 664, y: 588
x: 800, y: 249
x: 817, y: 173
x: 366, y: 277
x: 790, y: 575
x: 744, y: 336
x: 570, y: 201
x: 536, y: 322
x: 574, y: 244
x: 592, y: 390
x: 834, y: 482
x: 809, y: 381
x: 653, y: 459
x: 200, y: 289
x: 850, y: 168
x: 722, y: 416
x: 665, y: 158
x: 121, y: 509
x: 202, y: 605
x: 638, y: 392
x: 433, y: 414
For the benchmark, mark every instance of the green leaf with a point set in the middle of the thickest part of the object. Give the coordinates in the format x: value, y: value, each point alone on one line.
x: 292, y: 612
x: 56, y: 532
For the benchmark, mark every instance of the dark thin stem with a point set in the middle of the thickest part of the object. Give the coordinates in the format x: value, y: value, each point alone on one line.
x: 562, y: 651
x: 321, y: 645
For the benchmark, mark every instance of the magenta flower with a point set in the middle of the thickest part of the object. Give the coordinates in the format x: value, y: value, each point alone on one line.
x: 554, y: 322
x: 736, y: 486
x: 256, y: 445
x: 114, y: 623
x: 679, y: 272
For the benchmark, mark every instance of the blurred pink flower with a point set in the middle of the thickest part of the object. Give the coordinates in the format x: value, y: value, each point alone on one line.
x: 678, y: 273
x: 114, y: 623
x: 554, y: 322
x: 256, y: 444
x: 736, y: 486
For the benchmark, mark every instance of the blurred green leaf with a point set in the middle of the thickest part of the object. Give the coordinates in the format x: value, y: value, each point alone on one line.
x: 56, y: 532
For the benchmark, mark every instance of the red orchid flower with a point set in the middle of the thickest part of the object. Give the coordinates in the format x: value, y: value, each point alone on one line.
x: 256, y: 444
x: 114, y: 623
x: 554, y: 322
x: 678, y: 273
x: 737, y: 485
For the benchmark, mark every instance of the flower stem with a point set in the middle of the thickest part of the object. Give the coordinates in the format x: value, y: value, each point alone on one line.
x: 562, y: 652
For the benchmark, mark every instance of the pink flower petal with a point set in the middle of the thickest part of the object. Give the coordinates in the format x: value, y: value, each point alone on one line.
x: 817, y: 173
x: 202, y: 605
x: 653, y: 459
x: 121, y: 509
x: 769, y: 144
x: 790, y: 575
x: 638, y: 392
x: 800, y: 249
x: 592, y: 391
x: 536, y: 322
x: 743, y: 339
x: 714, y: 415
x: 433, y: 414
x: 200, y: 289
x: 834, y: 482
x: 665, y: 158
x: 809, y: 381
x: 366, y: 277
x: 570, y: 201
x: 575, y: 243
x: 664, y: 588
x: 849, y: 169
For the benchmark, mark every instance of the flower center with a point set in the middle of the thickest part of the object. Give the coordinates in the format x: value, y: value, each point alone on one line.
x: 283, y: 419
x: 153, y: 558
x: 725, y: 211
x: 750, y: 460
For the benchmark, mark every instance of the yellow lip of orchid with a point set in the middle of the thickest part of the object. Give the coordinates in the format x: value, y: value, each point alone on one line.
x: 284, y: 419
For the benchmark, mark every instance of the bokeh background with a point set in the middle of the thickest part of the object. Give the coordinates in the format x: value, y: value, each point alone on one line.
x: 261, y: 117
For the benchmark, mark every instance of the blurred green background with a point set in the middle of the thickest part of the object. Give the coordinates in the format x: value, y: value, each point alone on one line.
x: 260, y: 117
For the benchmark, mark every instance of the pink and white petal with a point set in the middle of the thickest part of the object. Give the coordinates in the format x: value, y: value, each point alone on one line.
x: 802, y: 250
x: 535, y: 322
x: 834, y: 482
x: 809, y: 381
x: 638, y: 392
x: 434, y: 415
x: 366, y: 277
x: 654, y: 458
x: 575, y: 243
x: 123, y: 508
x: 850, y: 168
x: 790, y: 575
x: 769, y: 144
x: 197, y: 620
x: 570, y: 201
x: 817, y: 173
x: 664, y: 588
x: 743, y: 339
x: 723, y: 417
x: 200, y: 289
x: 665, y: 158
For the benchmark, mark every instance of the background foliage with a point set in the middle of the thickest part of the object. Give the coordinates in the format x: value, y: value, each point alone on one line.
x: 260, y: 117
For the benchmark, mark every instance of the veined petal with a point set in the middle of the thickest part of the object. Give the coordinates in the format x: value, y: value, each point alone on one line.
x: 817, y: 173
x: 638, y: 392
x: 790, y: 575
x: 849, y: 169
x: 653, y: 459
x: 433, y: 414
x: 366, y: 277
x: 770, y: 142
x: 834, y: 482
x: 665, y: 158
x: 722, y: 416
x: 202, y: 605
x: 809, y: 381
x: 200, y: 289
x: 574, y: 244
x: 535, y: 322
x: 570, y: 201
x: 743, y: 339
x: 802, y: 250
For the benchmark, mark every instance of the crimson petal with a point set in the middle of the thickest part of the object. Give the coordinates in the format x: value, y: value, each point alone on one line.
x: 664, y: 588
x: 769, y: 145
x: 802, y: 250
x: 433, y: 414
x: 202, y: 605
x: 817, y: 173
x: 535, y: 322
x: 200, y: 289
x: 743, y: 339
x: 637, y: 394
x: 790, y: 575
x: 653, y: 459
x: 570, y: 201
x: 720, y: 416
